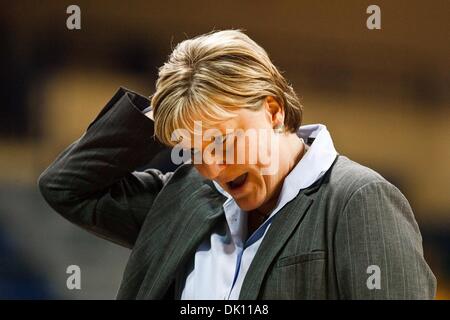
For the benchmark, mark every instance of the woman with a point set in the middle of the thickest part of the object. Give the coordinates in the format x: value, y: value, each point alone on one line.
x: 266, y: 209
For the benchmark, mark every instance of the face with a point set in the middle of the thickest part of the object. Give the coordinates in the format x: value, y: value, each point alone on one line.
x: 254, y: 171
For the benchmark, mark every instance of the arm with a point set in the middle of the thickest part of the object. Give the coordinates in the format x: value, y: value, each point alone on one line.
x: 92, y: 183
x: 377, y: 228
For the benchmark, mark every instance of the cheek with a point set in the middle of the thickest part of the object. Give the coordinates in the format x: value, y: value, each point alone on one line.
x: 258, y: 183
x: 256, y: 192
x: 202, y: 170
x: 255, y: 150
x: 269, y: 183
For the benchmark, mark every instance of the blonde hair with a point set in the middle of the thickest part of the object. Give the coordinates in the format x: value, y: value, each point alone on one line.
x: 209, y: 76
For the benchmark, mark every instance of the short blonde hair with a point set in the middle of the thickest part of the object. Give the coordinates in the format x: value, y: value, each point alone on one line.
x: 209, y: 76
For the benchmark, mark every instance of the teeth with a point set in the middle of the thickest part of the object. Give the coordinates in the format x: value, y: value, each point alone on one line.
x: 239, y: 181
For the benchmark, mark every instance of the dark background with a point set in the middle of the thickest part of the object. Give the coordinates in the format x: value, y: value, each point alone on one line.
x: 383, y: 95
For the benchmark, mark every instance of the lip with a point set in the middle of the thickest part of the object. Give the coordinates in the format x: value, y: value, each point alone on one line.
x: 239, y: 189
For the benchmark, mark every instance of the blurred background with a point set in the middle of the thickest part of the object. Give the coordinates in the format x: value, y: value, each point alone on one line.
x: 383, y: 94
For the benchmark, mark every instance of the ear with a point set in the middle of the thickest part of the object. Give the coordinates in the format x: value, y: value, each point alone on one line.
x: 274, y: 111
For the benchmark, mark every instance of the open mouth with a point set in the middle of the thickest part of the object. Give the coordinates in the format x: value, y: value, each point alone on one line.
x: 238, y: 182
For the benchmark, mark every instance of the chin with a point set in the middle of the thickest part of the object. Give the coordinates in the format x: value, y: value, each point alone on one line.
x: 249, y: 204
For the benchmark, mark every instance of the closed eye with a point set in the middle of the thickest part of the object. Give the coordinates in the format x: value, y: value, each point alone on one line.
x: 221, y: 140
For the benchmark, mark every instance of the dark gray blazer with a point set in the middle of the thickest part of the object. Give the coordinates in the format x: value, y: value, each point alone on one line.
x: 319, y: 246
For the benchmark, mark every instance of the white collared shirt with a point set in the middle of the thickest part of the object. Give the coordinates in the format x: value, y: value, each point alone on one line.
x: 218, y: 269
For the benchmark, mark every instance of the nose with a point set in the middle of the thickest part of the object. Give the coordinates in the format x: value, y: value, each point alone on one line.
x: 212, y: 171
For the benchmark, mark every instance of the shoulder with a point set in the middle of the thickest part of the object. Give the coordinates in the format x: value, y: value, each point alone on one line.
x: 351, y: 175
x: 349, y: 182
x: 366, y: 196
x: 347, y: 177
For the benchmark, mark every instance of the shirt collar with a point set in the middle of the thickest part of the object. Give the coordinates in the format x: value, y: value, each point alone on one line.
x: 316, y: 161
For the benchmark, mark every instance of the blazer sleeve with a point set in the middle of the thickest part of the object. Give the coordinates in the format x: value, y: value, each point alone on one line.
x: 378, y: 249
x: 93, y: 182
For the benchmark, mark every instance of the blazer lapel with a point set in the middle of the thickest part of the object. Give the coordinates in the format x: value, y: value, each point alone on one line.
x: 203, y: 212
x: 281, y: 228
